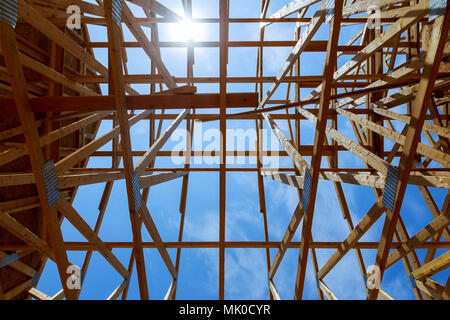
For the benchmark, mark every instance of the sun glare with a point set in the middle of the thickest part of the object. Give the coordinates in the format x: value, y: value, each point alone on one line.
x: 186, y: 30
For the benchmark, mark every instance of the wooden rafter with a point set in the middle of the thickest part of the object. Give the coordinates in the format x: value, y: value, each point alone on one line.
x: 390, y: 89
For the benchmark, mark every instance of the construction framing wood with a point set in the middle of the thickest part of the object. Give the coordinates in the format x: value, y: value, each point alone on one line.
x: 118, y: 86
x: 368, y: 180
x: 432, y: 60
x: 148, y: 47
x: 11, y: 56
x: 307, y: 35
x: 386, y: 103
x: 160, y: 101
x: 289, y: 8
x: 158, y: 144
x: 77, y: 221
x: 319, y: 139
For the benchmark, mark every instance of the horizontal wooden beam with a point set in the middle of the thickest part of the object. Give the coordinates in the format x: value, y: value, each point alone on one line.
x: 83, y: 246
x: 154, y: 179
x: 141, y: 102
x: 312, y: 46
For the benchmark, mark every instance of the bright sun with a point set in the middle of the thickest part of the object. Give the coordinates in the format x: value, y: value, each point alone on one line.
x: 185, y: 30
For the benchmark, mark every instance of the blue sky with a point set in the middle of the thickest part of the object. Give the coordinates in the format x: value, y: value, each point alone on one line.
x: 246, y: 276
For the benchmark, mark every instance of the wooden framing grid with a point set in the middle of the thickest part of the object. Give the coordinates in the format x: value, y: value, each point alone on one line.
x: 393, y: 73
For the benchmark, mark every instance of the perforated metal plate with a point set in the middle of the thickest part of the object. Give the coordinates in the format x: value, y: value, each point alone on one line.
x: 329, y: 13
x: 412, y: 280
x: 306, y: 189
x: 390, y: 187
x: 50, y: 182
x: 136, y: 190
x: 117, y: 11
x: 9, y: 12
x: 437, y: 8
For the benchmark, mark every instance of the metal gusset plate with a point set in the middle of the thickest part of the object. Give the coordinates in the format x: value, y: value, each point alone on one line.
x: 9, y: 12
x: 306, y: 189
x: 390, y: 187
x: 329, y: 13
x: 50, y: 182
x: 117, y: 11
x: 437, y: 9
x: 136, y: 190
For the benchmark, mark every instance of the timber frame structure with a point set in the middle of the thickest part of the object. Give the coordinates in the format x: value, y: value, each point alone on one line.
x: 51, y: 107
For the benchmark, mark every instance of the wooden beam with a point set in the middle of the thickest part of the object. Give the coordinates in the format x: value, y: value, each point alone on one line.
x: 319, y: 139
x: 371, y: 245
x: 289, y: 8
x: 368, y: 180
x: 118, y: 291
x: 365, y: 155
x: 330, y: 295
x: 223, y: 105
x: 39, y: 295
x: 432, y: 153
x: 420, y: 237
x: 154, y: 179
x: 148, y: 47
x: 158, y: 8
x: 420, y: 105
x: 34, y: 18
x: 430, y: 287
x: 158, y: 144
x: 437, y: 265
x: 18, y: 265
x: 362, y: 6
x: 153, y: 231
x: 118, y: 87
x: 439, y: 130
x: 11, y: 57
x: 274, y: 291
x: 412, y: 15
x: 446, y: 291
x: 19, y: 151
x: 18, y: 289
x: 141, y: 102
x: 78, y: 222
x: 23, y: 233
x: 288, y: 235
x: 86, y: 150
x: 298, y: 161
x: 311, y: 29
x: 53, y: 75
x: 366, y: 222
x: 401, y: 72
